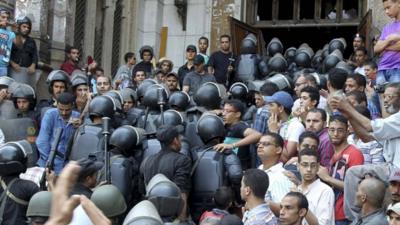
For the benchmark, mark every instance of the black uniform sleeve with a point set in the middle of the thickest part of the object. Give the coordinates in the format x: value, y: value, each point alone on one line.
x: 182, y: 173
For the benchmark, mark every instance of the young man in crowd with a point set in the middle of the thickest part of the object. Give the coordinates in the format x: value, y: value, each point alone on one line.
x: 188, y: 66
x: 172, y: 82
x: 221, y: 63
x: 320, y: 196
x: 345, y: 157
x: 316, y: 123
x: 269, y: 150
x: 253, y: 188
x: 72, y: 61
x: 194, y: 79
x: 294, y: 207
x: 280, y: 105
x: 203, y: 46
x: 6, y: 40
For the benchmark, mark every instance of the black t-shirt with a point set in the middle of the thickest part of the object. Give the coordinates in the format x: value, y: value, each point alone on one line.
x: 26, y: 55
x: 234, y: 133
x: 220, y: 62
x: 182, y: 72
x: 174, y: 165
x: 15, y: 213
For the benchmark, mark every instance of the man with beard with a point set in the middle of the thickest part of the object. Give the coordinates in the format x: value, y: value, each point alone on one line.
x: 24, y: 57
x: 384, y: 130
x: 239, y: 135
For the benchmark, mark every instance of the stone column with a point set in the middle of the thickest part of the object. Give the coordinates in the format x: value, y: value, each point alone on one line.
x: 108, y: 28
x: 128, y: 27
x: 90, y: 28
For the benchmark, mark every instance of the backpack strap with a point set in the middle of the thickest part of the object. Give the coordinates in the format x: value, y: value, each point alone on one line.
x: 6, y: 193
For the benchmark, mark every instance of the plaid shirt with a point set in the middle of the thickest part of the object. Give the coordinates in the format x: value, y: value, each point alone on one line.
x: 260, y: 215
x: 261, y: 120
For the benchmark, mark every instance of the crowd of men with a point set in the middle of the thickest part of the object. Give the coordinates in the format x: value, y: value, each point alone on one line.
x: 291, y: 137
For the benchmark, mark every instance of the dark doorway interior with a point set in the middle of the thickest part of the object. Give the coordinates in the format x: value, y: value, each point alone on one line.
x: 316, y: 37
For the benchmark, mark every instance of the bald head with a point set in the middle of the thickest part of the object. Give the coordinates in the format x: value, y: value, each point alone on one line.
x: 375, y: 190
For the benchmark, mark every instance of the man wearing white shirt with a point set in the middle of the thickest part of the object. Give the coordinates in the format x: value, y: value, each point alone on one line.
x: 320, y: 196
x: 269, y: 149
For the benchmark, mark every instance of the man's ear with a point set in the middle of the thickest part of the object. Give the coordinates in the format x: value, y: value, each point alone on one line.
x: 279, y: 150
x: 303, y: 212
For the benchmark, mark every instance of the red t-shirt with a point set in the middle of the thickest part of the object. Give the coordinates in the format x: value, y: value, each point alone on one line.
x: 69, y: 67
x: 341, y: 161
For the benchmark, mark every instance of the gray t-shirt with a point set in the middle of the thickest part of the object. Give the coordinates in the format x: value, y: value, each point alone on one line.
x: 195, y: 80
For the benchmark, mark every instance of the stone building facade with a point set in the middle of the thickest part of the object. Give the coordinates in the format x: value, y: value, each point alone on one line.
x: 107, y: 29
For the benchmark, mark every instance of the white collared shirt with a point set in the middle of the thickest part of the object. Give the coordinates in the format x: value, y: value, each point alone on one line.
x: 279, y: 184
x: 321, y: 202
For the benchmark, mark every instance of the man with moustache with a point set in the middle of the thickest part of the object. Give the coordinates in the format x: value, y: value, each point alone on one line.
x: 384, y: 130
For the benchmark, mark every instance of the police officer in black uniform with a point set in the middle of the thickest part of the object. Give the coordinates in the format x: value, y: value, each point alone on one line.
x: 219, y: 169
x: 15, y: 193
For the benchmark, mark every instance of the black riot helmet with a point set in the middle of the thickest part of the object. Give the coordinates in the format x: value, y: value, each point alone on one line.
x: 210, y: 127
x: 144, y: 213
x: 78, y: 77
x: 317, y: 59
x: 344, y: 66
x: 239, y: 91
x: 57, y: 75
x: 16, y: 157
x: 126, y: 138
x: 102, y: 106
x: 24, y: 20
x: 277, y: 63
x: 143, y: 88
x: 165, y: 195
x: 249, y: 44
x: 179, y: 100
x: 274, y: 46
x: 210, y: 95
x: 172, y: 118
x: 146, y: 48
x: 332, y: 60
x: 290, y: 53
x: 151, y: 98
x: 128, y: 94
x: 118, y: 99
x: 337, y: 43
x: 284, y: 82
x: 303, y: 56
x: 24, y: 91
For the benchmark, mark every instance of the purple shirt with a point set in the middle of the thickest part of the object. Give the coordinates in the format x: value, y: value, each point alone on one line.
x: 390, y: 59
x: 325, y: 148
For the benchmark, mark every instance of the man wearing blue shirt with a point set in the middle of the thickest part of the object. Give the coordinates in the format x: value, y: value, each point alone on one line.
x: 6, y: 40
x: 60, y: 117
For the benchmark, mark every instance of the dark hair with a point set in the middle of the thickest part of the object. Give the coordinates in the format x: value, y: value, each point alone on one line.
x: 308, y: 152
x: 138, y: 70
x: 98, y: 68
x: 128, y: 55
x: 66, y: 98
x: 339, y: 118
x: 108, y: 78
x: 359, y: 96
x: 308, y: 75
x: 257, y: 180
x: 359, y: 79
x: 268, y: 89
x: 372, y: 64
x: 320, y: 111
x: 237, y: 105
x: 69, y: 48
x: 362, y: 49
x: 204, y: 38
x: 337, y: 78
x: 313, y: 92
x: 225, y: 36
x: 277, y: 138
x: 302, y: 202
x: 308, y: 134
x: 223, y: 197
x: 363, y: 111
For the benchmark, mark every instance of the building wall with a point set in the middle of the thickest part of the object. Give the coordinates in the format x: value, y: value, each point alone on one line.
x: 379, y: 18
